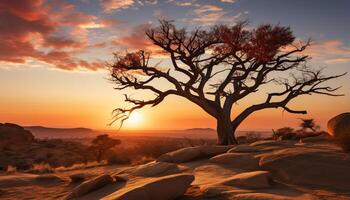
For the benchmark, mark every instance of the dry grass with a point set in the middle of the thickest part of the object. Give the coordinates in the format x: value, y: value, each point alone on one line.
x: 47, y: 156
x: 77, y: 166
x: 41, y: 168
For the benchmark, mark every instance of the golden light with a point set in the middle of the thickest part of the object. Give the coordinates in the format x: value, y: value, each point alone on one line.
x: 134, y: 118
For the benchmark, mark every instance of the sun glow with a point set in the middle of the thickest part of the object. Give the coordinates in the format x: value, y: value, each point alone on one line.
x: 134, y: 118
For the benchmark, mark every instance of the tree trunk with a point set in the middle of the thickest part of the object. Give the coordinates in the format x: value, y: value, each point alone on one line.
x: 225, y: 131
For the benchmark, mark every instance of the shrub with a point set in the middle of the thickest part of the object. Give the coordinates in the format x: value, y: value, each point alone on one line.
x: 285, y: 133
x: 113, y: 159
x: 253, y: 137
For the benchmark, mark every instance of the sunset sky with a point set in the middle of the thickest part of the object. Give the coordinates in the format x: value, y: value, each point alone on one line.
x: 53, y: 54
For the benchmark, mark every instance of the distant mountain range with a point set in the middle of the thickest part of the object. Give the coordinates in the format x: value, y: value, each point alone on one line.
x: 46, y: 132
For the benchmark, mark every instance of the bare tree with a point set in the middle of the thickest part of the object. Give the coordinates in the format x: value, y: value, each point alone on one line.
x: 216, y: 67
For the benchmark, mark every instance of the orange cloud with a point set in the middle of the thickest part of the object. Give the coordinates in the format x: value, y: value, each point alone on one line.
x: 32, y: 29
x: 137, y: 40
x: 61, y: 42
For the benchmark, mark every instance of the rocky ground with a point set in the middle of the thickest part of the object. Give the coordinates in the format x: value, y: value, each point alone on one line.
x: 312, y: 169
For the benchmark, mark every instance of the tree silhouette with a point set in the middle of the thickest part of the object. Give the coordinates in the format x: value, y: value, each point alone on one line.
x: 308, y: 124
x: 216, y: 67
x: 101, y: 144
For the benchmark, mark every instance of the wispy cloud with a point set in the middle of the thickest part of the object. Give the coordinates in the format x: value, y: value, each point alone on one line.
x: 211, y: 14
x: 110, y: 5
x: 182, y: 2
x: 136, y: 39
x: 330, y: 51
x: 228, y: 1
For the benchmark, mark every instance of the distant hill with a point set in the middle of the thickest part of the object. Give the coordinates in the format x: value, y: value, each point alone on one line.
x: 47, y: 132
x: 200, y: 129
x: 205, y: 133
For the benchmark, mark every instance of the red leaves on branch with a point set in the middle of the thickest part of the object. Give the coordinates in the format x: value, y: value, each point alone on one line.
x: 261, y: 44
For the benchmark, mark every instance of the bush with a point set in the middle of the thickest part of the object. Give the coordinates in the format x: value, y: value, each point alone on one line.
x: 114, y: 159
x: 285, y: 133
x: 253, y: 137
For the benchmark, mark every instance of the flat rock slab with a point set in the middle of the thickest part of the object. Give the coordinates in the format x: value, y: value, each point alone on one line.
x: 193, y: 153
x: 307, y: 166
x: 90, y: 185
x: 181, y: 155
x: 267, y: 196
x: 244, y: 161
x: 156, y: 169
x: 243, y: 148
x: 17, y: 179
x: 212, y: 173
x: 213, y: 150
x: 250, y: 180
x: 267, y: 142
x: 163, y: 188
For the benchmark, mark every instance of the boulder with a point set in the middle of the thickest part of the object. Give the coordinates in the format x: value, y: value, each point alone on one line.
x: 181, y: 155
x: 78, y: 177
x: 163, y: 188
x: 213, y: 150
x: 308, y: 166
x: 193, y: 153
x: 90, y: 185
x: 155, y: 169
x: 245, y: 161
x: 250, y: 180
x: 339, y: 125
x: 14, y: 136
x: 243, y: 148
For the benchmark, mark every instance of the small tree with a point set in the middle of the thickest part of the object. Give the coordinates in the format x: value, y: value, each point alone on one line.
x: 101, y: 144
x: 215, y: 68
x: 308, y: 124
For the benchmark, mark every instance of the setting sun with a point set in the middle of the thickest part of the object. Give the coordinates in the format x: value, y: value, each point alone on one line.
x: 134, y: 118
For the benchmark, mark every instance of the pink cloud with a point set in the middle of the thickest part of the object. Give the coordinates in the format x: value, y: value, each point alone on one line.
x: 331, y: 51
x: 136, y: 40
x: 27, y: 27
x: 109, y: 5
